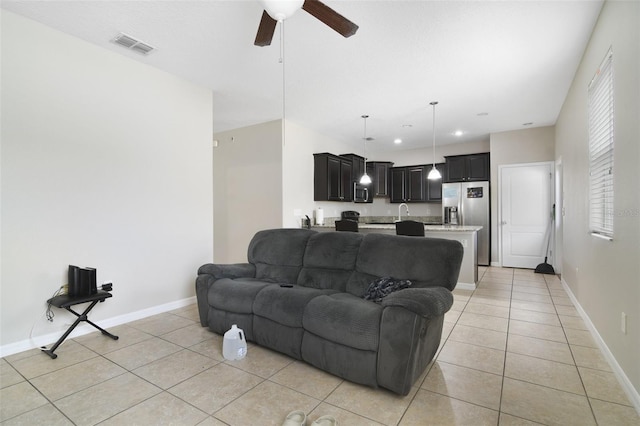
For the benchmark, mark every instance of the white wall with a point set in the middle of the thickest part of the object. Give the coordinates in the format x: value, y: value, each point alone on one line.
x: 513, y: 147
x: 106, y: 162
x: 604, y: 275
x: 247, y: 170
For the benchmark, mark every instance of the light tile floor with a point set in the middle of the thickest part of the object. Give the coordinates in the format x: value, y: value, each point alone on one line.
x: 513, y: 352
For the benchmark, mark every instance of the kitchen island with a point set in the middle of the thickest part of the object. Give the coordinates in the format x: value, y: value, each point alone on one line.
x: 467, y: 235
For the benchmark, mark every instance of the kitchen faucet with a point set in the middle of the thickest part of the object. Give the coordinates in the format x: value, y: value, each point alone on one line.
x: 400, y: 211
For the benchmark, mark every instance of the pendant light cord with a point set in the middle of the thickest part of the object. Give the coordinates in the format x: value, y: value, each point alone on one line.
x: 365, y: 142
x: 434, y: 174
x: 283, y: 80
x: 434, y: 134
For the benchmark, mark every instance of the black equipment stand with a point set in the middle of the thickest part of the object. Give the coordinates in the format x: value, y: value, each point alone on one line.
x: 66, y: 302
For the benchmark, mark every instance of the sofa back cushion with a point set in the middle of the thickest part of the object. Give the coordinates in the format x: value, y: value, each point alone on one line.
x: 330, y: 260
x: 278, y: 253
x: 427, y: 262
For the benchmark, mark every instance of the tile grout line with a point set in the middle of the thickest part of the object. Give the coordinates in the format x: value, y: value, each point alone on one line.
x: 506, y: 345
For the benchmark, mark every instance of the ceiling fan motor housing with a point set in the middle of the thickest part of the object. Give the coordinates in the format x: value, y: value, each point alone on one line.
x: 282, y: 9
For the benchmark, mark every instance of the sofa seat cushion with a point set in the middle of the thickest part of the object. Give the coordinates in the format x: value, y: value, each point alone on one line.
x: 345, y: 319
x: 285, y: 305
x: 235, y: 295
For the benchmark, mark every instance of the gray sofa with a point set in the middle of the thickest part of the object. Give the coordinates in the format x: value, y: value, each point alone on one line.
x: 323, y: 318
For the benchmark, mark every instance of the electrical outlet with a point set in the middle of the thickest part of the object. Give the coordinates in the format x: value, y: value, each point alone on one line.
x: 623, y: 323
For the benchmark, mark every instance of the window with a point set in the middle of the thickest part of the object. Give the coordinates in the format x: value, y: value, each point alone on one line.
x: 601, y: 142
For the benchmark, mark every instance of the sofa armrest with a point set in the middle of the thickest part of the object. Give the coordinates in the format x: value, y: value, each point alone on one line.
x: 235, y: 270
x: 210, y: 273
x: 430, y: 302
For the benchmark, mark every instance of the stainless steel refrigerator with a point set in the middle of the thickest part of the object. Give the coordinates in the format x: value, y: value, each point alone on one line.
x: 467, y: 204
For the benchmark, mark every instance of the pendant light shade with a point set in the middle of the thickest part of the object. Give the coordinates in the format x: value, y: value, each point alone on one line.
x: 365, y: 179
x: 434, y: 174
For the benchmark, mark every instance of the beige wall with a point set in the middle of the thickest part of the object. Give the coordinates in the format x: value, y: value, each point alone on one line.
x: 106, y: 162
x: 247, y: 189
x: 513, y: 147
x: 604, y: 275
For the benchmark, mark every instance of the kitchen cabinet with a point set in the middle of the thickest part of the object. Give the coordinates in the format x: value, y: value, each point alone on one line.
x: 359, y: 193
x: 467, y: 168
x: 332, y: 180
x: 357, y: 165
x: 434, y: 187
x: 408, y: 184
x: 379, y: 173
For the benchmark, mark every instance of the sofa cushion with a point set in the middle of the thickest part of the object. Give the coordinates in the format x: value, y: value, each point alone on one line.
x: 345, y: 319
x: 278, y: 253
x: 285, y: 305
x: 329, y: 260
x: 235, y: 295
x: 387, y: 255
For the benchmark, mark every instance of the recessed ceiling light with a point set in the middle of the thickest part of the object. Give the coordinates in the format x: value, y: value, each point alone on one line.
x: 458, y: 133
x: 397, y: 141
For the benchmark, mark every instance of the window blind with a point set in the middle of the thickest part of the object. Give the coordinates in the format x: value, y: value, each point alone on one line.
x: 601, y: 144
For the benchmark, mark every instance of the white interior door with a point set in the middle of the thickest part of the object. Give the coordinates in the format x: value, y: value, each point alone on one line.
x: 526, y: 194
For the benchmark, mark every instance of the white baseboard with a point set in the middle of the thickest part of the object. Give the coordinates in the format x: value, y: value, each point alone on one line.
x: 81, y: 330
x: 627, y: 386
x: 465, y: 286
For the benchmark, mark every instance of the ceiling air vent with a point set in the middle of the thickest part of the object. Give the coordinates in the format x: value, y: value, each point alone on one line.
x: 134, y: 44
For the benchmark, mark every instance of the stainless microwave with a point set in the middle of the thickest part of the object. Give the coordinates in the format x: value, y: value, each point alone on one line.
x: 361, y: 193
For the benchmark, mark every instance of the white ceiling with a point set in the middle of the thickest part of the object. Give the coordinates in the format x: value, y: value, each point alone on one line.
x: 513, y: 60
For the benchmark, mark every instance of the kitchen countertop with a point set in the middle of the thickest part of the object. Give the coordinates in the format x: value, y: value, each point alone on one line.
x: 427, y: 228
x: 466, y: 235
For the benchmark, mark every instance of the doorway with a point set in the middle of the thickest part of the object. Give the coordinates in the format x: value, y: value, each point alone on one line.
x: 525, y: 208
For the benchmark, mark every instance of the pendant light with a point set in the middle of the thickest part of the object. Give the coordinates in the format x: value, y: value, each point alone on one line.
x: 365, y: 179
x: 434, y: 174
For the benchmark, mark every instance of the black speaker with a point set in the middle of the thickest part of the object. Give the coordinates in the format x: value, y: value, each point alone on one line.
x: 82, y: 281
x: 74, y: 281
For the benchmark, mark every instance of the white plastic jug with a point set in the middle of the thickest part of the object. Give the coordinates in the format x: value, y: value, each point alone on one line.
x: 234, y: 345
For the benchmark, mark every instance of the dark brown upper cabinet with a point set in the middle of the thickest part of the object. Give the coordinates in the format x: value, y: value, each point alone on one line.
x: 467, y: 168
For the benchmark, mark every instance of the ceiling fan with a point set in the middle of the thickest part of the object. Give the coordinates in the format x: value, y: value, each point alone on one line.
x: 278, y: 10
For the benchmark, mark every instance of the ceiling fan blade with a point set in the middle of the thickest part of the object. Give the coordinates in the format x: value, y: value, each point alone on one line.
x: 330, y: 17
x: 265, y: 30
